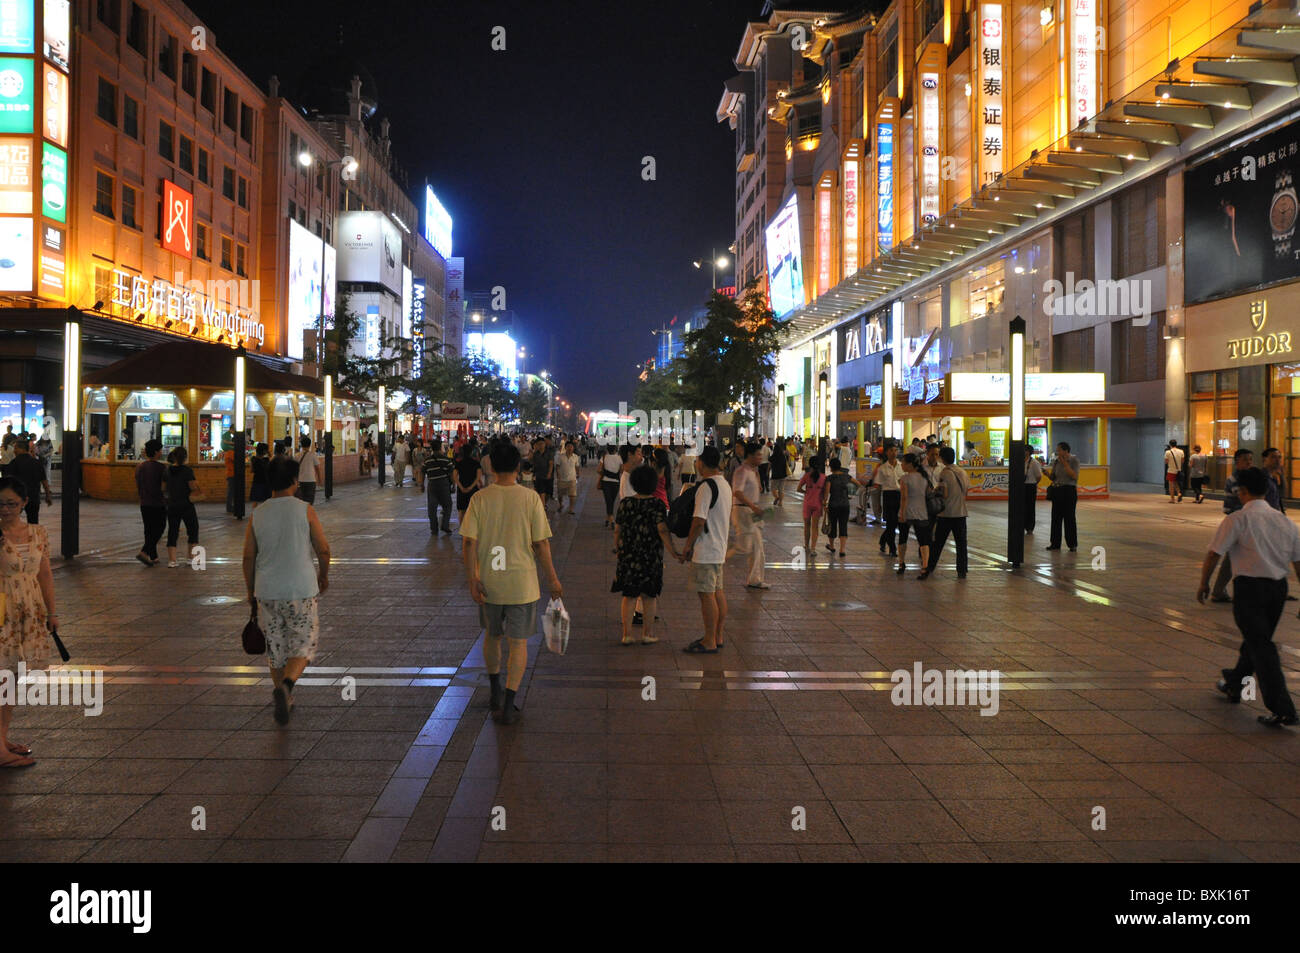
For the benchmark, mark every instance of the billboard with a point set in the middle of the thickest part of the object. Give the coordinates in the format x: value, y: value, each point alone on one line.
x: 1084, y: 386
x: 56, y: 106
x: 15, y: 175
x: 784, y: 268
x: 53, y: 269
x: 884, y: 187
x: 15, y: 254
x: 17, y: 26
x: 305, y: 285
x: 372, y: 331
x: 1240, y: 211
x: 437, y: 224
x: 418, y: 294
x: 54, y: 183
x: 58, y: 31
x: 177, y: 220
x: 406, y: 303
x: 498, y: 346
x: 370, y: 250
x: 17, y: 94
x: 455, y: 285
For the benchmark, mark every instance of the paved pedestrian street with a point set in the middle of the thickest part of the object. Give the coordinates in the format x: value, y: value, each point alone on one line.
x: 1109, y: 742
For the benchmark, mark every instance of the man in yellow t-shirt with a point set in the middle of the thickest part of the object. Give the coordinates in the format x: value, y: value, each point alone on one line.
x: 506, y: 531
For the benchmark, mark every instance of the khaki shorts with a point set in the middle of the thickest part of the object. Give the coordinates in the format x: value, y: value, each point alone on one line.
x: 567, y: 488
x: 706, y: 577
x: 514, y: 622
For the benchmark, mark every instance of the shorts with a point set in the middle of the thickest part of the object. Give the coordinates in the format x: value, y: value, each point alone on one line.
x: 514, y: 622
x: 1172, y: 478
x: 544, y: 487
x: 921, y: 530
x: 568, y: 488
x: 706, y: 577
x: 778, y: 485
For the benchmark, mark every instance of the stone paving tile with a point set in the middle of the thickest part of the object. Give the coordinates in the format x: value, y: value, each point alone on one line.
x: 899, y: 822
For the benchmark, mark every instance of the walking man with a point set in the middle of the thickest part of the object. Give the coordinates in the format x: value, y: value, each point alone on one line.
x: 566, y: 478
x: 1242, y: 461
x: 1273, y: 470
x: 1197, y: 465
x: 745, y: 490
x: 310, y: 471
x: 706, y: 549
x: 954, y: 484
x: 1261, y: 543
x: 1174, y: 472
x: 506, y: 533
x: 437, y: 472
x: 28, y: 469
x: 887, y: 478
x: 149, y: 475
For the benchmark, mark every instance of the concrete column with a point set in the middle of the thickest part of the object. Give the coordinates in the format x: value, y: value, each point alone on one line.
x: 1176, y: 405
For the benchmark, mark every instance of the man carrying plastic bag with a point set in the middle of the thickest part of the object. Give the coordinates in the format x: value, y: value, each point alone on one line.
x: 506, y: 531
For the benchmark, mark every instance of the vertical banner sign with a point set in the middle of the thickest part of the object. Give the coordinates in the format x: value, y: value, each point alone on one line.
x: 54, y: 184
x: 15, y: 175
x: 17, y: 26
x: 1083, y: 61
x: 990, y: 124
x: 852, y: 170
x: 884, y: 187
x: 929, y: 148
x: 825, y: 202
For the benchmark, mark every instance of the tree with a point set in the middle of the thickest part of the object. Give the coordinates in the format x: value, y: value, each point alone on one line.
x: 532, y: 404
x: 661, y: 391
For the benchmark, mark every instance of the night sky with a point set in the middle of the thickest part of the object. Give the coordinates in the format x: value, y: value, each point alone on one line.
x: 537, y: 151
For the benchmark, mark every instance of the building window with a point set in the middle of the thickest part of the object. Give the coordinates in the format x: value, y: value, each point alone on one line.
x: 1138, y: 217
x: 187, y: 155
x: 103, y: 284
x: 109, y: 13
x: 166, y: 141
x: 243, y: 192
x: 246, y: 123
x: 230, y: 109
x: 104, y: 194
x: 1137, y: 352
x: 167, y: 55
x: 293, y: 209
x: 302, y: 217
x: 228, y: 183
x: 208, y: 93
x: 1073, y: 352
x: 1075, y: 241
x: 106, y: 105
x: 130, y: 117
x: 201, y: 241
x: 293, y: 152
x: 128, y: 207
x: 226, y: 246
x: 137, y: 30
x: 189, y: 71
x: 241, y: 256
x: 204, y: 175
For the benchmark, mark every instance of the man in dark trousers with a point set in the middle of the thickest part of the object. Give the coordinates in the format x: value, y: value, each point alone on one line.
x: 438, y: 471
x: 1262, y: 543
x: 27, y: 468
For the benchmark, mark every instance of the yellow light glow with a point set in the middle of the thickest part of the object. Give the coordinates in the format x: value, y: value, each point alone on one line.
x: 999, y: 423
x: 810, y: 145
x: 329, y: 403
x: 240, y: 400
x: 789, y: 150
x: 383, y: 410
x: 72, y: 375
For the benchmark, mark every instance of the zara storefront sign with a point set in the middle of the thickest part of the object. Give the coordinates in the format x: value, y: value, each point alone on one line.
x: 169, y: 302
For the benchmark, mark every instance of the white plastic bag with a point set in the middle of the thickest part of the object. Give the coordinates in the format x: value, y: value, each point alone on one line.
x: 555, y: 626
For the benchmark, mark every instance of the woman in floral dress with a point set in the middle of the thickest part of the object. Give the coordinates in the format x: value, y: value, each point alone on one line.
x: 640, y: 536
x: 28, y: 587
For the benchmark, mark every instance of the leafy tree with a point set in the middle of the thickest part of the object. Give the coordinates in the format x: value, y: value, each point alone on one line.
x: 532, y: 404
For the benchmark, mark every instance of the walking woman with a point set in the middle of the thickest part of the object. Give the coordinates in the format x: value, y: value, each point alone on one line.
x: 260, y: 491
x: 28, y: 587
x: 611, y: 468
x: 887, y: 477
x: 913, y: 512
x: 283, y: 584
x: 466, y: 477
x: 640, y: 538
x: 778, y: 471
x: 813, y: 486
x: 182, y: 492
x: 664, y: 473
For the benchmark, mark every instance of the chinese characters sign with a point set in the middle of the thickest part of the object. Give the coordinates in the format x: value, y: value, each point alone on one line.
x: 15, y: 175
x: 929, y: 148
x: 825, y: 243
x: 991, y: 108
x: 884, y: 187
x: 1083, y: 61
x: 166, y: 301
x: 852, y: 169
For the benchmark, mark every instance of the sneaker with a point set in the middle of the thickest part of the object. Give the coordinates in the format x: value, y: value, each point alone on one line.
x: 1233, y: 691
x: 757, y: 585
x: 171, y: 564
x: 1277, y: 721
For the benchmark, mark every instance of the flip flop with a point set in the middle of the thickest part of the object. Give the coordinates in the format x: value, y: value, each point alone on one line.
x: 19, y: 749
x: 17, y: 763
x: 697, y: 648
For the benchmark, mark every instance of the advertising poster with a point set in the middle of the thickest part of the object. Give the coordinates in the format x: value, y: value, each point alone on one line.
x: 304, y: 286
x: 372, y: 331
x: 1240, y: 212
x: 54, y: 183
x: 58, y: 30
x: 370, y: 249
x: 437, y: 224
x: 406, y: 303
x: 17, y: 26
x: 15, y: 175
x: 15, y: 254
x: 331, y: 268
x: 56, y: 106
x: 885, y: 187
x: 17, y: 94
x: 53, y: 268
x: 785, y: 271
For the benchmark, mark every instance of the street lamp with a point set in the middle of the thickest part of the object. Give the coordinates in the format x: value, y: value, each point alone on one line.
x: 780, y: 411
x: 71, y: 506
x: 823, y: 396
x: 1016, y: 461
x: 383, y: 416
x: 349, y: 166
x: 240, y: 446
x: 329, y: 435
x: 715, y: 262
x: 887, y: 391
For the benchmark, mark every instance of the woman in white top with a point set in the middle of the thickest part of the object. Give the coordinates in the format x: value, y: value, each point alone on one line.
x: 607, y: 477
x: 283, y: 585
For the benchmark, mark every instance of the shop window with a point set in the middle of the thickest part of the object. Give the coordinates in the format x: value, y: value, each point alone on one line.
x: 929, y: 14
x: 1075, y: 243
x: 1138, y: 221
x: 227, y: 247
x: 1137, y: 352
x: 130, y: 117
x: 167, y: 55
x: 887, y: 62
x: 201, y: 241
x: 106, y: 102
x: 189, y: 71
x: 166, y: 141
x: 228, y: 183
x: 129, y: 196
x: 137, y: 30
x: 186, y: 155
x: 230, y: 109
x: 149, y: 415
x: 1074, y: 351
x: 104, y: 194
x: 208, y: 91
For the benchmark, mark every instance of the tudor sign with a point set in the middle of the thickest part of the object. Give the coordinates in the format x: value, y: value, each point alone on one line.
x: 177, y: 220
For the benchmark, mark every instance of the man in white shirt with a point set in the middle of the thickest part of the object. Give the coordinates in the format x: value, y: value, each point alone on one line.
x: 1174, y: 472
x: 401, y: 456
x: 706, y: 549
x: 310, y: 472
x: 1261, y: 544
x: 745, y: 494
x: 566, y: 478
x: 886, y: 477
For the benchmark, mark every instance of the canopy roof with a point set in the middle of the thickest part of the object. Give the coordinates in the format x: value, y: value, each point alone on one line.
x: 175, y: 364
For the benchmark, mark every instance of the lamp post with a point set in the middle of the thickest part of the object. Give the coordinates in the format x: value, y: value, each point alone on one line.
x: 887, y: 394
x: 1016, y: 459
x: 716, y: 261
x: 329, y: 435
x: 823, y: 388
x: 71, y: 506
x: 349, y: 165
x: 780, y: 411
x: 240, y: 439
x: 383, y: 416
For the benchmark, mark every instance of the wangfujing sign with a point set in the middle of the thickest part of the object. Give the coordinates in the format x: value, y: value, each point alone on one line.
x: 170, y: 302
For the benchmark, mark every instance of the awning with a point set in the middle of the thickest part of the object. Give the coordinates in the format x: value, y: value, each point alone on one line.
x: 1052, y: 410
x: 178, y: 364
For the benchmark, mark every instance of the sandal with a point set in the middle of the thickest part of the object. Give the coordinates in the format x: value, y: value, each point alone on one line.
x: 627, y: 642
x: 20, y: 762
x: 650, y: 640
x: 698, y: 648
x: 924, y: 574
x: 902, y: 568
x: 19, y: 749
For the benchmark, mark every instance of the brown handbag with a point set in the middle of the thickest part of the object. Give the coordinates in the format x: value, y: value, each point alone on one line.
x: 253, y: 637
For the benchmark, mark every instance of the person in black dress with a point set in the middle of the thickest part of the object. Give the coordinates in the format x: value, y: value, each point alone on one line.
x: 640, y: 537
x: 261, y: 487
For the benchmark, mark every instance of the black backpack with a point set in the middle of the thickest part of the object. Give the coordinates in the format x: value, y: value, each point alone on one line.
x: 682, y: 512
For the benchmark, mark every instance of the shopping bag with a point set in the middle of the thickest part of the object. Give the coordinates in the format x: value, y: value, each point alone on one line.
x: 555, y: 626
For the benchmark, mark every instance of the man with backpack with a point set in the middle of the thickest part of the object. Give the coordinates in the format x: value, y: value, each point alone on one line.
x: 706, y: 545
